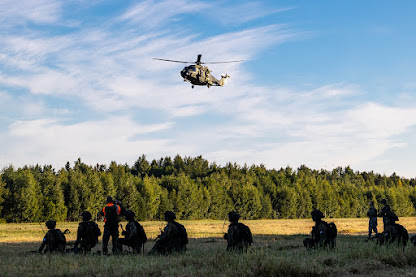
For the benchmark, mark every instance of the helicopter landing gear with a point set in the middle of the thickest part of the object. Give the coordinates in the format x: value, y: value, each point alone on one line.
x: 208, y: 85
x: 192, y: 86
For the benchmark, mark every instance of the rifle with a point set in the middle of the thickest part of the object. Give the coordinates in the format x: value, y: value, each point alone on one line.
x: 42, y: 228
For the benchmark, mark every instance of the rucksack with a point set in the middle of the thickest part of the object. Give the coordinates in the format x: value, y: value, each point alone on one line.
x: 59, y: 240
x: 245, y: 233
x: 182, y: 234
x: 111, y: 215
x: 140, y: 232
x: 332, y: 231
x: 392, y: 217
x: 91, y: 232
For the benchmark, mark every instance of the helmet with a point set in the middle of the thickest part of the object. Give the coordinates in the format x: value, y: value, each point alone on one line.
x: 233, y: 216
x: 317, y: 215
x: 50, y: 224
x: 129, y: 215
x: 86, y: 216
x: 109, y: 199
x: 169, y: 215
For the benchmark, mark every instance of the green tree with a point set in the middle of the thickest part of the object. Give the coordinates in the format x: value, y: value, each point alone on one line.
x: 53, y: 196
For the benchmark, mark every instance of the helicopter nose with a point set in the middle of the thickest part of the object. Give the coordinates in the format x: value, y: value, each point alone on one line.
x: 183, y: 74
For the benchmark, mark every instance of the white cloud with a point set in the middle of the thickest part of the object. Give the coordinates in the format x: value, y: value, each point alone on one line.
x: 107, y: 72
x: 38, y: 11
x: 228, y: 13
x: 152, y: 13
x: 49, y: 142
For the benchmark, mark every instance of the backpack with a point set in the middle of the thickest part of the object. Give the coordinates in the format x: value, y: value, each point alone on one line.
x: 91, y: 232
x: 332, y: 231
x: 111, y: 215
x: 245, y: 233
x: 59, y: 240
x: 392, y: 217
x: 182, y: 234
x: 140, y: 232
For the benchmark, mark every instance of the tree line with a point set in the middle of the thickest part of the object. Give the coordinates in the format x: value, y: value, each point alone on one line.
x: 196, y: 189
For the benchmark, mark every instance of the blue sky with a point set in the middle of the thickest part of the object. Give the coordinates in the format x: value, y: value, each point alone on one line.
x: 324, y: 83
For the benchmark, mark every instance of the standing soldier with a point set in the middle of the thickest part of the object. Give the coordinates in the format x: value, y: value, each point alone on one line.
x: 372, y: 224
x: 87, y: 234
x: 111, y: 218
x: 384, y: 213
x: 173, y: 237
x: 134, y: 235
x: 239, y: 236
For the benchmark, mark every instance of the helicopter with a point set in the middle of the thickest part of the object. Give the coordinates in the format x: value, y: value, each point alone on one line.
x: 199, y: 75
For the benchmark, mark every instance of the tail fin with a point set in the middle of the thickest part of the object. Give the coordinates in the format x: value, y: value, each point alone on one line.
x: 223, y: 80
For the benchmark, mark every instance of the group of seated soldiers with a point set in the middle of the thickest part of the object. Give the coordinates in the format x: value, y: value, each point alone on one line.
x: 174, y: 237
x: 324, y: 234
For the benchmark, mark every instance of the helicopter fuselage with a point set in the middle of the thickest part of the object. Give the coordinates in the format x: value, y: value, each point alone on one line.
x: 199, y: 75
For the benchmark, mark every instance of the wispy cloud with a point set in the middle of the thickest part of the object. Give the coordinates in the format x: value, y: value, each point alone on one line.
x: 37, y: 11
x: 50, y: 142
x: 235, y: 13
x: 153, y: 13
x: 96, y: 93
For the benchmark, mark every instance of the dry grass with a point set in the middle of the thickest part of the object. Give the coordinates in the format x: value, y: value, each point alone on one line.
x: 30, y: 232
x: 277, y: 251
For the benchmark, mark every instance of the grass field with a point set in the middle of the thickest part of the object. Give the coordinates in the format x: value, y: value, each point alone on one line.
x: 277, y: 251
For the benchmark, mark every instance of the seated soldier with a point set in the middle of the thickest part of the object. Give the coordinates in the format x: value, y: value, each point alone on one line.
x: 396, y: 232
x: 393, y: 231
x: 391, y: 218
x: 173, y: 238
x: 134, y: 235
x: 87, y: 234
x: 239, y: 236
x: 413, y: 240
x: 54, y: 240
x: 323, y: 234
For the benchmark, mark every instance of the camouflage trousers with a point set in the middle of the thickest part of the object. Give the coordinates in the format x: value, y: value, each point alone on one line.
x: 372, y: 226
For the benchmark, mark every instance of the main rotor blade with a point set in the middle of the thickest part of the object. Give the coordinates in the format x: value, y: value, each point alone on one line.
x: 171, y: 61
x: 222, y: 62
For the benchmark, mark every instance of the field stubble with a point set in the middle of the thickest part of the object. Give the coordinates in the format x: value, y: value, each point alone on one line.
x: 277, y: 251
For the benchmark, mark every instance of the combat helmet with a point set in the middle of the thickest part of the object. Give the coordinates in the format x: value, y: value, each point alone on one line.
x: 109, y: 199
x: 169, y: 215
x: 233, y: 216
x: 317, y: 215
x: 129, y: 215
x: 50, y: 224
x: 86, y: 216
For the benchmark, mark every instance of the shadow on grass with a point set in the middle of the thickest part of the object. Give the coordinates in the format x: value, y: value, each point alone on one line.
x: 270, y: 255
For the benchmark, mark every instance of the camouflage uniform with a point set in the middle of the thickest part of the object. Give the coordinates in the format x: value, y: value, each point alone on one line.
x: 372, y: 224
x: 239, y: 236
x: 384, y: 213
x: 87, y: 234
x: 172, y: 239
x: 319, y: 233
x: 323, y: 234
x: 134, y: 234
x: 54, y: 240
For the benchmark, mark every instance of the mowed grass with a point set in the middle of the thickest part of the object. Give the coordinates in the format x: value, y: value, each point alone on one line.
x: 277, y: 251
